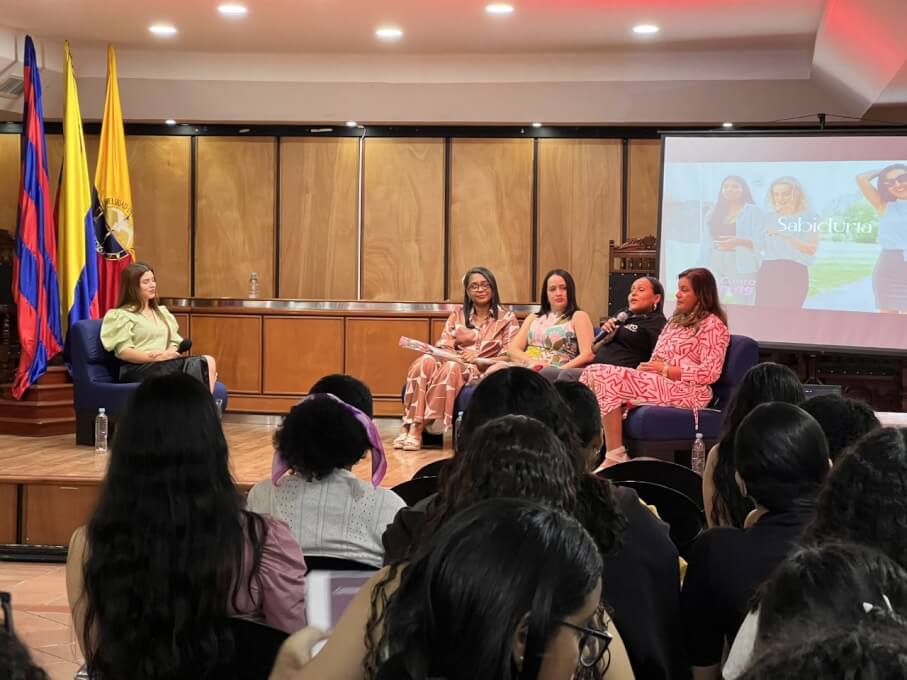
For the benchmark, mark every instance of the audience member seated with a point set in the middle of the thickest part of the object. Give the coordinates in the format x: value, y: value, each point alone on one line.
x: 584, y: 409
x: 843, y: 420
x: 505, y: 589
x: 782, y: 459
x: 865, y: 497
x: 145, y: 336
x: 330, y: 512
x: 830, y: 584
x: 641, y: 566
x: 687, y: 359
x: 876, y: 649
x: 725, y: 506
x: 560, y: 335
x: 169, y: 553
x: 630, y: 343
x: 15, y: 661
x: 480, y: 329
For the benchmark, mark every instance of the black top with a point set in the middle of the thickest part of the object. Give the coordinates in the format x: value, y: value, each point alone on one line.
x: 726, y: 568
x: 641, y: 584
x: 634, y: 341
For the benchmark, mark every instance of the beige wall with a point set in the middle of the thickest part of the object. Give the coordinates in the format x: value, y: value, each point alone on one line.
x: 320, y: 218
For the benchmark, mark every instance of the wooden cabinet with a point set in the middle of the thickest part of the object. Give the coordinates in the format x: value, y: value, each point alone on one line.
x: 51, y: 512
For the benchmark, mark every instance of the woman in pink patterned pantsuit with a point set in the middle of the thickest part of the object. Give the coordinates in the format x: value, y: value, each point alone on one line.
x: 481, y: 328
x: 687, y: 359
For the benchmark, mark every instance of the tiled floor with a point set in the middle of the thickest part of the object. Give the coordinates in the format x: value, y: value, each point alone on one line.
x: 41, y: 615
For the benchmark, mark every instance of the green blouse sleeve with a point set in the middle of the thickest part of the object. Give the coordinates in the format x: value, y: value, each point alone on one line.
x: 117, y: 331
x: 175, y: 338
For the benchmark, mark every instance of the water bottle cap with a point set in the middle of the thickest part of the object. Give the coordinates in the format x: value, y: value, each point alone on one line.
x: 101, y: 410
x: 699, y: 435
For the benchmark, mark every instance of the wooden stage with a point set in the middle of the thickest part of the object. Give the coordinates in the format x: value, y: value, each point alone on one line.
x: 48, y: 485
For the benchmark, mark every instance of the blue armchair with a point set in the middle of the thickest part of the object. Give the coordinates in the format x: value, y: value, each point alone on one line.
x: 94, y: 375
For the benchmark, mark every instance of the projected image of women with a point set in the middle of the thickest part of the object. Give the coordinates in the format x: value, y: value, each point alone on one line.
x: 889, y: 198
x: 789, y: 244
x: 729, y: 245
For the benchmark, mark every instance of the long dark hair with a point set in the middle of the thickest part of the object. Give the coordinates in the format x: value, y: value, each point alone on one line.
x: 166, y: 543
x: 719, y: 212
x: 865, y: 497
x: 763, y: 383
x: 524, y: 392
x: 708, y: 302
x: 781, y: 455
x: 495, y: 297
x: 130, y: 297
x: 465, y: 594
x: 510, y: 457
x: 828, y: 582
x: 545, y: 303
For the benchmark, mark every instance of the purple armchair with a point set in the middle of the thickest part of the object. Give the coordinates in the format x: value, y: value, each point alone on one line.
x: 94, y: 375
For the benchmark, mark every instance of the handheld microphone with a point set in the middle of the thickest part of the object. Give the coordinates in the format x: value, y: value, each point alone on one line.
x: 603, y: 336
x: 185, y: 346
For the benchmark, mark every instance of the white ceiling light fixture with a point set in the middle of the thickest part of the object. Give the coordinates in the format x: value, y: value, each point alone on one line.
x: 499, y: 8
x: 536, y: 125
x: 163, y: 30
x: 389, y: 33
x: 351, y: 123
x: 727, y: 125
x: 170, y: 121
x: 232, y: 10
x: 646, y: 29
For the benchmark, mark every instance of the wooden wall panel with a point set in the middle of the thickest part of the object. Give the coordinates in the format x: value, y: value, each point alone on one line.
x: 160, y: 172
x: 234, y: 216
x: 319, y: 213
x: 9, y: 188
x: 235, y: 343
x: 373, y: 355
x: 52, y: 512
x: 184, y: 324
x: 437, y: 328
x: 403, y: 232
x: 9, y: 511
x: 297, y: 352
x: 643, y: 177
x: 579, y: 211
x: 491, y: 214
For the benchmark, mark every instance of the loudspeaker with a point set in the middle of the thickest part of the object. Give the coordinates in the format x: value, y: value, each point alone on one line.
x: 619, y: 284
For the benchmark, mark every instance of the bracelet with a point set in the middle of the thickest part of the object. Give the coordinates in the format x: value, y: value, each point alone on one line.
x: 664, y: 371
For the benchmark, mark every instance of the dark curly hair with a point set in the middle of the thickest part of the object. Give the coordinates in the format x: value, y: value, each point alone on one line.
x: 522, y: 391
x: 781, y: 455
x: 15, y: 661
x: 865, y: 497
x: 828, y: 582
x: 763, y: 383
x: 875, y: 649
x: 586, y: 416
x: 347, y: 388
x: 166, y: 545
x: 511, y: 457
x: 491, y: 569
x: 842, y: 420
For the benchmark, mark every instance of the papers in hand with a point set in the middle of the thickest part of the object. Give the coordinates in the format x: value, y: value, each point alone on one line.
x: 446, y: 354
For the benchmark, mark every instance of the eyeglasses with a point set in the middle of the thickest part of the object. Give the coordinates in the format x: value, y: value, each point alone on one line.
x: 592, y: 645
x: 900, y: 179
x: 476, y: 287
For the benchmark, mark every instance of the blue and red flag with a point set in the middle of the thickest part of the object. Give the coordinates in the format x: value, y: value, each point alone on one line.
x: 35, y: 283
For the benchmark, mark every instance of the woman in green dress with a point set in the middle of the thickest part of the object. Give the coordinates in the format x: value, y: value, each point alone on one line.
x: 145, y: 336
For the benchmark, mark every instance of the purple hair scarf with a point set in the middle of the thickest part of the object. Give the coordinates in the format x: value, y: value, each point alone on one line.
x: 279, y: 465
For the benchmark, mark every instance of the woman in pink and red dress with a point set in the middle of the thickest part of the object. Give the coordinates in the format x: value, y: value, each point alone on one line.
x: 687, y: 359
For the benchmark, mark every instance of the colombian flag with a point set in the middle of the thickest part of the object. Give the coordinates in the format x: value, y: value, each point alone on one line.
x: 35, y: 286
x: 78, y: 262
x: 111, y: 205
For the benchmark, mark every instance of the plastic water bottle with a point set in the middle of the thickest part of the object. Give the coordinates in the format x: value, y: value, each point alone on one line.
x: 100, y: 432
x: 457, y: 426
x: 697, y: 455
x: 253, y: 285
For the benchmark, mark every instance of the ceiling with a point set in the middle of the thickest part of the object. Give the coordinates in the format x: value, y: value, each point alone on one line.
x: 557, y: 61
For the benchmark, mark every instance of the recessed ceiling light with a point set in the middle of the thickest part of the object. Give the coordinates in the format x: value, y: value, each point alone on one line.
x: 727, y: 125
x: 536, y: 125
x: 351, y: 123
x: 645, y: 29
x: 389, y: 33
x: 162, y: 29
x: 232, y: 10
x: 170, y: 121
x: 499, y: 8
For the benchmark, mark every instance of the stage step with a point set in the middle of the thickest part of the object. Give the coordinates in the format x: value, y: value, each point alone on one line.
x: 36, y: 410
x: 40, y: 393
x: 43, y: 427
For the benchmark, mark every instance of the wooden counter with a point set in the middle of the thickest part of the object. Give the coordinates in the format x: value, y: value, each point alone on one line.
x: 269, y: 352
